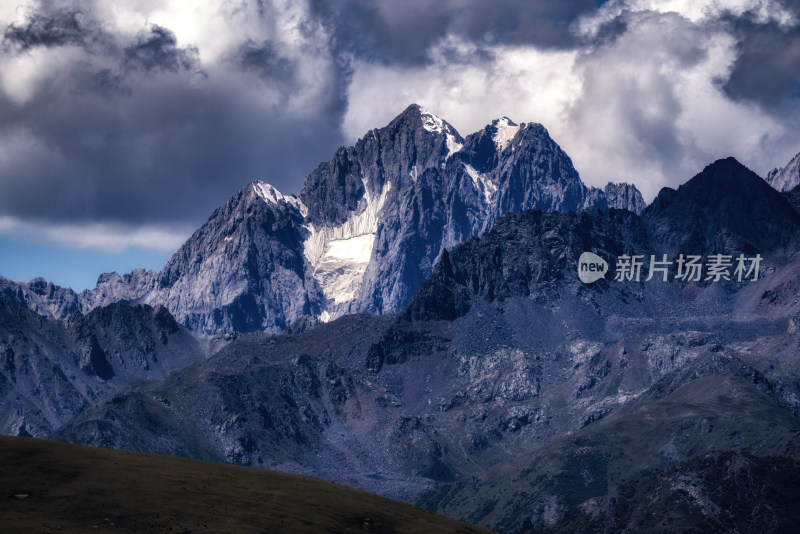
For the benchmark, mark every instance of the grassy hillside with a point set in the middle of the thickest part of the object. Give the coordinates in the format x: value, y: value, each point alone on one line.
x: 46, y: 486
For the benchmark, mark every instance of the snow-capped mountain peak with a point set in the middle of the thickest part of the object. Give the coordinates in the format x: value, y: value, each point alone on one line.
x: 435, y: 124
x: 431, y: 122
x: 506, y: 129
x: 271, y: 195
x: 367, y: 226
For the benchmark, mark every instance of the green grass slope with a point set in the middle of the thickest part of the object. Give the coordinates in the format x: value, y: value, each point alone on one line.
x: 46, y: 486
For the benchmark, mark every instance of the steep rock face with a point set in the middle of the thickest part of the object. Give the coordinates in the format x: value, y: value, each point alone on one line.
x: 55, y: 302
x: 505, y: 168
x: 786, y: 178
x: 111, y: 288
x: 532, y: 171
x: 52, y: 370
x: 416, y: 140
x: 358, y: 202
x: 243, y: 270
x: 35, y: 377
x: 139, y: 341
x: 532, y: 254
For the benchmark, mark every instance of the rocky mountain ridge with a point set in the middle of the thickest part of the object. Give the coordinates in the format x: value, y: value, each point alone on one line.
x: 51, y: 370
x: 362, y: 235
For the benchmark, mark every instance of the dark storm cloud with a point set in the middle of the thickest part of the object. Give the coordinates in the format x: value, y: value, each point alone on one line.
x: 266, y: 62
x: 403, y: 32
x: 139, y: 131
x: 157, y: 49
x: 164, y: 153
x: 767, y: 70
x: 56, y: 29
x: 136, y: 128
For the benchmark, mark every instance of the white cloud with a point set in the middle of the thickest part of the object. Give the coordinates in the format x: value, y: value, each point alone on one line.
x: 216, y: 29
x: 696, y: 11
x: 651, y: 111
x: 96, y: 236
x: 523, y: 83
x: 645, y: 107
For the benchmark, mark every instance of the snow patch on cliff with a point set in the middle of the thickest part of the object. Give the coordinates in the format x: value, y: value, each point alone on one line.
x: 431, y: 122
x: 482, y: 183
x: 506, y: 130
x: 453, y: 146
x: 339, y: 255
x: 271, y: 195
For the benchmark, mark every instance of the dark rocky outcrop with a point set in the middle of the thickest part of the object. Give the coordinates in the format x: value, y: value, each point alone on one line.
x: 724, y: 208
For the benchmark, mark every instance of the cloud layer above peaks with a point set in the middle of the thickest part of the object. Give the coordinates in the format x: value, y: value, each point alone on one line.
x: 148, y: 114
